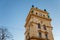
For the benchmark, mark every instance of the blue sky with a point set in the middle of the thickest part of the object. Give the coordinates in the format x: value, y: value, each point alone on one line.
x: 14, y: 12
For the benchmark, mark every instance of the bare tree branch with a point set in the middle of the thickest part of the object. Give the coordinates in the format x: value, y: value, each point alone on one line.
x: 5, y: 34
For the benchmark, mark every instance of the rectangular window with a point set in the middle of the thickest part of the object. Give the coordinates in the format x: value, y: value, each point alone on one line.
x: 46, y: 36
x: 39, y: 34
x: 39, y: 25
x: 28, y: 36
x: 44, y: 27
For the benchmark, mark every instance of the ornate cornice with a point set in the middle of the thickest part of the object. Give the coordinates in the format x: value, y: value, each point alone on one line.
x: 39, y: 10
x: 43, y: 31
x: 29, y: 16
x: 38, y: 38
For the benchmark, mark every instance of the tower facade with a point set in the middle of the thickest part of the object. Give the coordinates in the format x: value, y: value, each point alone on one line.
x: 38, y: 25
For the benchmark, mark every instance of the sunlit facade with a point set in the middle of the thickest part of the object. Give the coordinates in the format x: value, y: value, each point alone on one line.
x: 38, y: 25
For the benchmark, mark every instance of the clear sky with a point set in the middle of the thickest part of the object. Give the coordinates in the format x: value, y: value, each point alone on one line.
x: 14, y: 12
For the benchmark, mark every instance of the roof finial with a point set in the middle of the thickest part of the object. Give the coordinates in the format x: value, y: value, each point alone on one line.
x: 32, y: 5
x: 44, y: 9
x: 48, y: 15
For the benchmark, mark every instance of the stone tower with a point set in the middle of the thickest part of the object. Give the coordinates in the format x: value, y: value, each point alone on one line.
x: 38, y: 25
